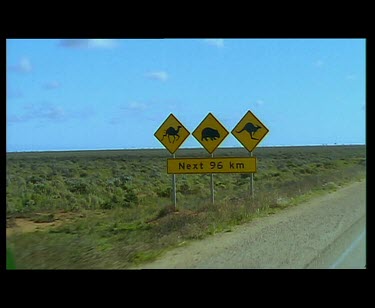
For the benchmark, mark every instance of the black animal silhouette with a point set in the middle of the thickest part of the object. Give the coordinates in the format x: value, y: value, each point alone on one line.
x: 211, y: 133
x: 251, y: 129
x: 172, y: 132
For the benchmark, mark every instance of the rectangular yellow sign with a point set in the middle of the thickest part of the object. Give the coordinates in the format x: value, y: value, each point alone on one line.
x: 211, y: 165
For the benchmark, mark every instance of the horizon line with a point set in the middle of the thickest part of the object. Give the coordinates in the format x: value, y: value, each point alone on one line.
x: 186, y: 148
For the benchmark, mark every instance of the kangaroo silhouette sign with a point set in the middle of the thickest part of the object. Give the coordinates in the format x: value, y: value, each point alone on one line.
x: 172, y: 133
x: 210, y: 133
x: 250, y: 131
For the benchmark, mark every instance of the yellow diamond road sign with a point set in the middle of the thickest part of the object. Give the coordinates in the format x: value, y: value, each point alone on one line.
x: 172, y: 133
x: 210, y: 133
x: 250, y: 131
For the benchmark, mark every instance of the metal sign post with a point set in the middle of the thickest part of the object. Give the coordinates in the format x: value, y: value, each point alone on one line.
x: 252, y: 181
x: 212, y: 186
x: 174, y: 194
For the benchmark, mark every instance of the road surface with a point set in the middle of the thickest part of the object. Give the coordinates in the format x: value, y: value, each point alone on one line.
x: 326, y: 232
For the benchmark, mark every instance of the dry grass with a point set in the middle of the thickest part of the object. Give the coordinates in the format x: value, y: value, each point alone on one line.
x: 121, y: 205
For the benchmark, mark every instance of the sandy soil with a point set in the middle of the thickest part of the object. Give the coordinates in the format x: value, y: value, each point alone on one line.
x: 293, y: 238
x: 25, y: 225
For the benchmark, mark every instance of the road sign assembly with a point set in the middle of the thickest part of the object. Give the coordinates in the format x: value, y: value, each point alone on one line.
x: 210, y: 133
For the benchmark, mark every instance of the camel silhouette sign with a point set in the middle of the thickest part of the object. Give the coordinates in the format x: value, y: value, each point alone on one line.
x: 250, y: 131
x: 210, y: 133
x: 172, y: 133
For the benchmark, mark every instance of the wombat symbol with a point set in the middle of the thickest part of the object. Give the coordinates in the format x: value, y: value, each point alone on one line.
x: 211, y: 133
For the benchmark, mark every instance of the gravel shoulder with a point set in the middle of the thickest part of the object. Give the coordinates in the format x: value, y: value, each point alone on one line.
x: 296, y: 237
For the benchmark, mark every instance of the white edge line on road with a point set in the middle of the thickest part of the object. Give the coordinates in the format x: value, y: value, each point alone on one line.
x: 347, y: 251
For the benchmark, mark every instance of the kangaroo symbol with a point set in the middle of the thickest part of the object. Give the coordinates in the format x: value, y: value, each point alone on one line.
x: 172, y: 132
x: 251, y: 129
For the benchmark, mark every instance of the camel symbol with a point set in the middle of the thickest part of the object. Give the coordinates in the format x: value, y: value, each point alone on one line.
x: 172, y: 132
x: 251, y: 129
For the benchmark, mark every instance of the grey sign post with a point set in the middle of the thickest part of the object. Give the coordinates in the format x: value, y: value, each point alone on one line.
x: 252, y: 181
x: 174, y: 193
x: 212, y: 186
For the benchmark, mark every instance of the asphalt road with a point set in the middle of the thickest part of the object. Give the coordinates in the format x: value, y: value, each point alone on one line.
x: 327, y: 232
x: 346, y: 252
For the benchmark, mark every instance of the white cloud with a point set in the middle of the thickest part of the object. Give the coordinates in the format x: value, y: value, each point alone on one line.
x: 85, y: 112
x: 53, y: 113
x: 132, y: 109
x: 74, y: 43
x: 88, y: 43
x: 219, y: 43
x: 44, y: 112
x: 136, y: 106
x: 48, y: 112
x: 318, y: 63
x: 51, y: 85
x: 115, y: 121
x: 15, y: 119
x: 14, y: 94
x: 351, y: 77
x: 159, y: 75
x: 101, y: 43
x: 24, y: 66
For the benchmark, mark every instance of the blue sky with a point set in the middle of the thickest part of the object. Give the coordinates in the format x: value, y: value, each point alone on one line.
x: 86, y: 94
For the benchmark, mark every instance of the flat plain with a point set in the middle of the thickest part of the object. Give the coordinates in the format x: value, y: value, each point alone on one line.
x: 112, y: 209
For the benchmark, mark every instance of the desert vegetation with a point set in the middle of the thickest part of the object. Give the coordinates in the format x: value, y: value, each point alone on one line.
x: 112, y: 209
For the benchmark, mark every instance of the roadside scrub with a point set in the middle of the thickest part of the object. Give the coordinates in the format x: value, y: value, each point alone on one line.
x: 118, y: 203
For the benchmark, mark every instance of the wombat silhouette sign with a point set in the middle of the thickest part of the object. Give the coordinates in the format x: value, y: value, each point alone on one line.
x: 210, y: 133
